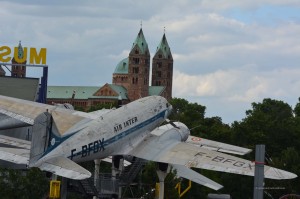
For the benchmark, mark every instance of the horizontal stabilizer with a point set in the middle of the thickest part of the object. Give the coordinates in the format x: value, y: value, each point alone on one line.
x: 189, y: 174
x: 17, y: 156
x: 65, y: 167
x: 217, y: 146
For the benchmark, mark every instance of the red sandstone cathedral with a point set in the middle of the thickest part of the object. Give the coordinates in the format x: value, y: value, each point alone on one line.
x: 130, y: 79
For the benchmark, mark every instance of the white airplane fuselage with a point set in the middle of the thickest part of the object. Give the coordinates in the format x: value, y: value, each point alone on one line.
x: 113, y: 133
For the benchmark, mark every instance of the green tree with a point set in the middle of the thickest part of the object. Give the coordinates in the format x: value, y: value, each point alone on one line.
x: 29, y: 184
x: 272, y: 123
x: 191, y: 114
x: 268, y: 123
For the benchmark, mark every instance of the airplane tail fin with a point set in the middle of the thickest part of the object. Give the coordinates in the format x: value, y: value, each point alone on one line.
x: 44, y: 136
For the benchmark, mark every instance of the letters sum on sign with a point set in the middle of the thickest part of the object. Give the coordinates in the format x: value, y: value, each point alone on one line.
x: 35, y: 57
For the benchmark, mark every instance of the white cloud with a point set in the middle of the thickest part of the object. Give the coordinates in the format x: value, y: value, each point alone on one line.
x: 223, y: 60
x: 239, y: 85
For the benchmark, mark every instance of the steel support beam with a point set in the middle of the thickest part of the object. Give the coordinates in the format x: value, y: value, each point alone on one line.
x: 259, y: 172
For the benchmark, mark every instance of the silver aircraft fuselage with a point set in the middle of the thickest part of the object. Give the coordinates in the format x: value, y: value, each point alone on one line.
x: 113, y: 133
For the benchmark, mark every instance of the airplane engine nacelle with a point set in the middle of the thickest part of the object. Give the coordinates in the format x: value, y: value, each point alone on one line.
x: 181, y: 134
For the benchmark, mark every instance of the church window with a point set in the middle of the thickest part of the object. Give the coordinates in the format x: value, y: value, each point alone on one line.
x: 146, y: 61
x: 159, y: 56
x: 134, y: 80
x: 136, y: 51
x: 136, y: 60
x: 158, y: 73
x: 135, y: 70
x: 159, y: 64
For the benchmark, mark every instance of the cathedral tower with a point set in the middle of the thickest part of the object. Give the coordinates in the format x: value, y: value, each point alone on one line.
x: 162, y: 67
x: 138, y: 68
x: 19, y: 70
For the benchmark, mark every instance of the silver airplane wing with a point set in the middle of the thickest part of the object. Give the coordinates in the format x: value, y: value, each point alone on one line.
x: 217, y: 146
x: 175, y: 152
x: 185, y: 172
x: 14, y: 155
x: 17, y: 112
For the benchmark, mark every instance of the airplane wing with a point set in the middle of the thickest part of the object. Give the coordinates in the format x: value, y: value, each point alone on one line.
x: 155, y: 148
x: 189, y: 174
x: 7, y: 122
x: 15, y: 142
x: 14, y: 155
x: 217, y: 146
x: 17, y: 112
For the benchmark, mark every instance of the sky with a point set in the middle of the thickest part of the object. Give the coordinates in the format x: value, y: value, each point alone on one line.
x: 227, y: 53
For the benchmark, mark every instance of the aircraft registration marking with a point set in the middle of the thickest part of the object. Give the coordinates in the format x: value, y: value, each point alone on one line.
x: 88, y: 149
x: 220, y: 159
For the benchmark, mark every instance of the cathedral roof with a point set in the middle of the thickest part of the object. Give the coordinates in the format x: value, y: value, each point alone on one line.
x: 83, y: 92
x: 164, y: 47
x: 122, y: 67
x: 156, y: 90
x: 140, y: 41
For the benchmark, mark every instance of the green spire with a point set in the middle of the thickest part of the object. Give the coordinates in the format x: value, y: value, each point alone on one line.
x: 140, y: 41
x: 164, y: 47
x: 20, y: 51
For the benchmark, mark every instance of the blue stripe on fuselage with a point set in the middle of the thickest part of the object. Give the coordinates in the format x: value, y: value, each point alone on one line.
x: 123, y: 134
